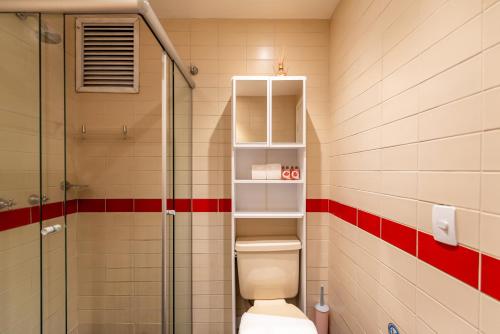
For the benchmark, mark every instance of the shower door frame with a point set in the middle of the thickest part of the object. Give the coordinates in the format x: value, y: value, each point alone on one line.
x: 164, y: 186
x: 144, y: 10
x: 83, y: 7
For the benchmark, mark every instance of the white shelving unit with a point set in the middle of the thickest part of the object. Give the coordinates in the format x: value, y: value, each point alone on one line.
x: 269, y: 126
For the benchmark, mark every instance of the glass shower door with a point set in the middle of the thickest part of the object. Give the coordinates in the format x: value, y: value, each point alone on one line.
x: 178, y: 192
x: 20, y: 307
x: 50, y: 203
x: 182, y: 226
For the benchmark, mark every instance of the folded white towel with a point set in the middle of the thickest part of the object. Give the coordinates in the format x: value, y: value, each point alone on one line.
x: 259, y: 172
x: 252, y: 323
x: 273, y: 171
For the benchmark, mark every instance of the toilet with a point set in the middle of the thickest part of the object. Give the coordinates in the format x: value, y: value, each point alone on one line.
x: 268, y: 273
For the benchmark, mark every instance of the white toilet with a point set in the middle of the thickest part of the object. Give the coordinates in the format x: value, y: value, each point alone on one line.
x: 268, y: 272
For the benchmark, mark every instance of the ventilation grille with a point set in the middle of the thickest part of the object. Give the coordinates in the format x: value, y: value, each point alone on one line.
x: 107, y: 57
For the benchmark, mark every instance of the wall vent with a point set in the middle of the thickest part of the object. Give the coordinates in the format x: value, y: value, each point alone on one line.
x: 107, y: 54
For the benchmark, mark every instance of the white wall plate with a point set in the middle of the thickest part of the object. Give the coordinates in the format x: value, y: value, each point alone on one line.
x: 443, y: 224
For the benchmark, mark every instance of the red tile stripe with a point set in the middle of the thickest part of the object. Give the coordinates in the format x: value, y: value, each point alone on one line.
x: 316, y: 205
x: 91, y: 205
x: 225, y: 205
x: 490, y: 276
x: 10, y: 219
x: 368, y: 222
x: 344, y: 212
x: 460, y: 262
x: 146, y: 205
x: 14, y: 218
x: 401, y: 236
x: 205, y: 205
x: 119, y: 205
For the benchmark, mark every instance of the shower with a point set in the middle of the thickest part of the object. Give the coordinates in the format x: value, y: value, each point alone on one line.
x: 46, y: 35
x: 84, y: 223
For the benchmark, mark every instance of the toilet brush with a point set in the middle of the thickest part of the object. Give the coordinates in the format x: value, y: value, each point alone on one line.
x: 321, y: 315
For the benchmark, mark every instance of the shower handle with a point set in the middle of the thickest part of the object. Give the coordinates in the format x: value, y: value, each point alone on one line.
x: 66, y: 185
x: 50, y: 229
x: 6, y: 203
x: 35, y: 199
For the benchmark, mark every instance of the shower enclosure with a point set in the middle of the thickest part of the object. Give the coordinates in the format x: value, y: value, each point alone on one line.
x: 95, y: 234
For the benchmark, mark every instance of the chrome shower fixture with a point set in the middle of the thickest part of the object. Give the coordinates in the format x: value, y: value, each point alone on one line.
x: 66, y: 185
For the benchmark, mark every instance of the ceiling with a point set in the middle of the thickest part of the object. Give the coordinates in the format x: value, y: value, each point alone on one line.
x: 245, y: 9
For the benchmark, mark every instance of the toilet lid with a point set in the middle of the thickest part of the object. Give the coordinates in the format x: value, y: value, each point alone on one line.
x: 253, y: 323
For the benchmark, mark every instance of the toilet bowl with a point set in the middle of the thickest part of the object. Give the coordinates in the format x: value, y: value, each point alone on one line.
x: 275, y: 317
x: 268, y: 272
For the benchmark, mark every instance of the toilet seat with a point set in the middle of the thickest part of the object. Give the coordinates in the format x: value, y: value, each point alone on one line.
x: 275, y: 317
x: 277, y: 307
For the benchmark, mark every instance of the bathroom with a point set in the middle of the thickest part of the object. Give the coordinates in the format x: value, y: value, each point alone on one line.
x: 145, y: 185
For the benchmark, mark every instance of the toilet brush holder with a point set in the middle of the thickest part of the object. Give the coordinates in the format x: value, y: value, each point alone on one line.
x: 321, y: 314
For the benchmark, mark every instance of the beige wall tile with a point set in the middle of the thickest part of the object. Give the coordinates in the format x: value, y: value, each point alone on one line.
x: 489, y: 192
x: 438, y: 318
x: 489, y: 321
x: 399, y: 209
x: 400, y: 106
x: 457, y: 296
x: 460, y: 189
x: 403, y: 184
x: 403, y: 157
x: 489, y: 229
x: 448, y: 86
x: 456, y: 153
x: 491, y: 118
x: 400, y: 132
x: 456, y: 118
x: 461, y: 44
x: 491, y: 151
x: 491, y: 25
x: 491, y: 68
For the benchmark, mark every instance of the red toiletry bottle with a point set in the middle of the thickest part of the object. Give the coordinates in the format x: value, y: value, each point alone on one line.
x: 285, y: 173
x: 295, y: 173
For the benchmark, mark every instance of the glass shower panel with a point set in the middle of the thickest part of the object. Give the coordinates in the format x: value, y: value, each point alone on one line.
x: 116, y: 179
x: 183, y: 192
x: 52, y: 175
x: 19, y: 173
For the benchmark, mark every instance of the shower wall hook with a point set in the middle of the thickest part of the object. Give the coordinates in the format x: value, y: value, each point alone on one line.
x: 124, y: 132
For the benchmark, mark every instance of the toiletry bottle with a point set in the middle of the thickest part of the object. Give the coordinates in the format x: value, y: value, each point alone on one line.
x: 286, y: 173
x: 295, y: 173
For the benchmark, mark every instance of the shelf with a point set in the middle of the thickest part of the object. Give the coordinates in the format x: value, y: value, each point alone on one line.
x: 270, y: 214
x: 286, y: 145
x: 270, y: 181
x: 270, y: 147
x: 251, y: 145
x: 269, y: 123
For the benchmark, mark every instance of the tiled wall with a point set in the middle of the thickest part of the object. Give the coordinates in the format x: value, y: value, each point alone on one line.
x: 414, y: 116
x: 221, y: 49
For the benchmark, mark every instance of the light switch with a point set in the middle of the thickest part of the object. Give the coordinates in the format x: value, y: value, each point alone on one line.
x: 443, y: 224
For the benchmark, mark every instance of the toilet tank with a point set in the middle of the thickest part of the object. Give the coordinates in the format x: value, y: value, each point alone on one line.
x: 268, y: 267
